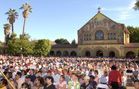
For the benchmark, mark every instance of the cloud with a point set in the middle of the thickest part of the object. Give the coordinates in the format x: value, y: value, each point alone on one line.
x: 124, y: 12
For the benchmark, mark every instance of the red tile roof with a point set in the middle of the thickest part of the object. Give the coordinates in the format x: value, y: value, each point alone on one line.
x: 64, y: 46
x: 125, y: 29
x: 132, y: 45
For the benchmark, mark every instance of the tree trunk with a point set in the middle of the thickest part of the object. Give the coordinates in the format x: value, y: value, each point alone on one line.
x: 24, y: 26
x: 12, y: 27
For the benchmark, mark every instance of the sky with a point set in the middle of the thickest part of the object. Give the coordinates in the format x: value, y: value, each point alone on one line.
x: 55, y: 19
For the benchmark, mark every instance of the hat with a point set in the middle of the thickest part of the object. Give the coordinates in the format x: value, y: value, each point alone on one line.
x: 28, y: 76
x: 87, y: 77
x: 49, y: 71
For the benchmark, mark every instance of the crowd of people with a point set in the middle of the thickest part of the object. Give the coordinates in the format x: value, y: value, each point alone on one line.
x: 66, y: 73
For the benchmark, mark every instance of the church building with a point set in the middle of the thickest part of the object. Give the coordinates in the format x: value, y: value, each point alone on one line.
x: 99, y: 37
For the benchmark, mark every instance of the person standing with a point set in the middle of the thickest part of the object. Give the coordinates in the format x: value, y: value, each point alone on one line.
x: 115, y: 78
x: 18, y: 79
x: 56, y: 77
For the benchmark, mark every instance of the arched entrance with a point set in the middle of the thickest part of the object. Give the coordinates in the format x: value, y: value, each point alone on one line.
x: 58, y: 53
x: 130, y: 54
x: 65, y: 53
x: 111, y: 54
x: 87, y: 54
x: 52, y: 53
x: 73, y: 53
x: 99, y: 53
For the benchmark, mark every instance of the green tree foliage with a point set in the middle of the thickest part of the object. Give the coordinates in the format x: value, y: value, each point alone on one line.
x: 12, y: 15
x: 136, y: 7
x: 42, y: 47
x: 134, y: 34
x: 0, y: 42
x: 18, y: 46
x: 14, y: 46
x: 62, y: 41
x: 73, y: 41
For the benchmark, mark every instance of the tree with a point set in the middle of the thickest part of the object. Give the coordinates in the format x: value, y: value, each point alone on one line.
x: 26, y: 7
x: 19, y: 46
x: 25, y: 37
x: 14, y: 46
x: 6, y: 31
x: 134, y: 34
x: 0, y: 42
x: 136, y: 7
x: 42, y: 47
x: 62, y: 41
x: 73, y: 41
x: 12, y: 15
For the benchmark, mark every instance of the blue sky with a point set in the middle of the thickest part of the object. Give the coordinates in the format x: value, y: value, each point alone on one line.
x: 52, y: 19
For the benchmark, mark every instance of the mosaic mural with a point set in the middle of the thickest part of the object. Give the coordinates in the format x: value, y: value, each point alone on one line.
x: 106, y: 23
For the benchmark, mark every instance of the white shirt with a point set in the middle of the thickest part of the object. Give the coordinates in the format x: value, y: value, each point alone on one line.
x: 104, y: 79
x: 44, y: 74
x: 124, y: 81
x: 13, y: 75
x: 23, y: 78
x: 56, y: 78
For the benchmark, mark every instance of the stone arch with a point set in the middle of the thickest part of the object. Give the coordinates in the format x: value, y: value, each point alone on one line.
x: 112, y: 54
x: 58, y: 53
x: 65, y: 53
x: 112, y: 49
x: 52, y: 53
x: 73, y: 54
x: 97, y: 49
x: 86, y: 50
x: 87, y: 54
x: 130, y: 54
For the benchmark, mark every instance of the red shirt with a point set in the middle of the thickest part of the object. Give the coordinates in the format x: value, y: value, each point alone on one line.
x: 115, y: 76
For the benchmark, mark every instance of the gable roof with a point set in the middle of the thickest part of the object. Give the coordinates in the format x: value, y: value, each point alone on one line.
x: 122, y: 25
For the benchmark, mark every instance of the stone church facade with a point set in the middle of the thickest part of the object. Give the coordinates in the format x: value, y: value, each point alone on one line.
x: 99, y: 37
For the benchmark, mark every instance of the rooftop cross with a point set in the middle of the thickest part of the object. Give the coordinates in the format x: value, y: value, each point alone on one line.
x: 99, y: 9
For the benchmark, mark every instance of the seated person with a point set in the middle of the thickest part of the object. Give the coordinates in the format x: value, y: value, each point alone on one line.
x: 104, y: 79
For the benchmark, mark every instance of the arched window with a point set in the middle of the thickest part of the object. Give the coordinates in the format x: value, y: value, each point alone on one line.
x: 111, y: 36
x: 99, y: 35
x: 114, y: 35
x: 108, y: 36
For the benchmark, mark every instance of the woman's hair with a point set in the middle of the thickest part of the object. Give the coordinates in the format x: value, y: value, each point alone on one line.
x: 96, y: 71
x: 63, y: 77
x: 49, y: 77
x: 24, y: 72
x: 4, y: 81
x: 92, y: 77
x: 25, y: 85
x: 40, y: 79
